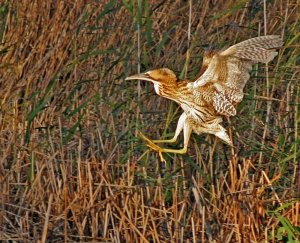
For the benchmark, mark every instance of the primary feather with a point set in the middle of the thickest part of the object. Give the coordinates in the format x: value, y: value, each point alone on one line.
x: 228, y: 71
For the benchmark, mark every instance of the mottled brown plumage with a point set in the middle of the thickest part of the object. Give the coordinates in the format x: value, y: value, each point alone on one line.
x: 215, y: 92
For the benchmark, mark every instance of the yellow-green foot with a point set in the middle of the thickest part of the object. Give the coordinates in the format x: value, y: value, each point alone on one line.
x: 152, y: 145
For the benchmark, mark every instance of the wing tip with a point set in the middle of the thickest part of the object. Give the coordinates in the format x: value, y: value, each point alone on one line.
x: 270, y: 57
x: 273, y: 42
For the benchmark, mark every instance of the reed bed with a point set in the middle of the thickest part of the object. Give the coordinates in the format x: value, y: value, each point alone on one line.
x: 71, y: 166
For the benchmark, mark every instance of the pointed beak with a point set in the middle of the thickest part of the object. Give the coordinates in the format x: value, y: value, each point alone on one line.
x: 140, y: 76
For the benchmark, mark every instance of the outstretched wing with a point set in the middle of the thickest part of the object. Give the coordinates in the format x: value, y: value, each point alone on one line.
x: 209, y: 53
x: 228, y: 72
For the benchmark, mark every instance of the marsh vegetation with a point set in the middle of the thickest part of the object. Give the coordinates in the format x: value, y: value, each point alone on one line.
x: 71, y: 165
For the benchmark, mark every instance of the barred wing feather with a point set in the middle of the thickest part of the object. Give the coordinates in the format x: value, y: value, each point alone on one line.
x: 228, y: 71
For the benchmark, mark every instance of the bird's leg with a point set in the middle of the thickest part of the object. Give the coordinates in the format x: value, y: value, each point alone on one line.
x: 179, y: 128
x: 186, y: 134
x: 186, y: 137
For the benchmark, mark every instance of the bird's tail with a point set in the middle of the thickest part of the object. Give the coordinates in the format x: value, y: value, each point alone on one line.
x: 222, y: 134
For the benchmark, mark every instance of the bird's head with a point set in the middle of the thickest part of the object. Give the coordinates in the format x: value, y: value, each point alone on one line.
x: 162, y: 76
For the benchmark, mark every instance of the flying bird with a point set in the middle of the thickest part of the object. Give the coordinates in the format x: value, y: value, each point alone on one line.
x: 214, y: 94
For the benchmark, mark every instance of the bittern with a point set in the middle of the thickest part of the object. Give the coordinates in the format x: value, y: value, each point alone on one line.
x: 212, y: 95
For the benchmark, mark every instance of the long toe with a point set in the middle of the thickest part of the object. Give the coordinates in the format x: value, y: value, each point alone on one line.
x: 153, y: 146
x: 162, y: 159
x: 142, y: 136
x: 157, y: 149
